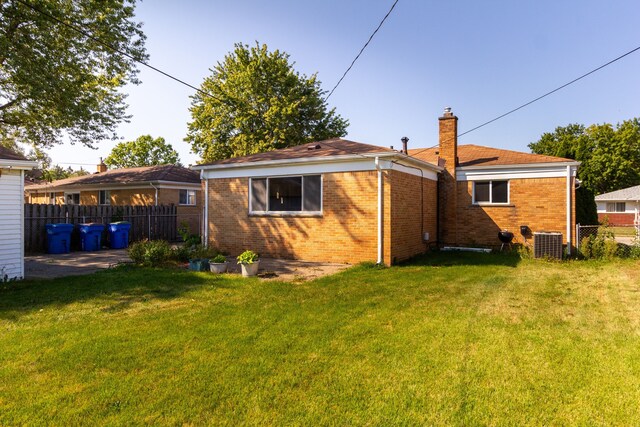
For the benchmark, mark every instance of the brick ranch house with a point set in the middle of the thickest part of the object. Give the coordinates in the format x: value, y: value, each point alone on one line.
x: 344, y: 201
x: 141, y: 186
x: 621, y: 207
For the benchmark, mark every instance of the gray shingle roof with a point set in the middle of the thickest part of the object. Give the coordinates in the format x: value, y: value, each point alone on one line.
x: 630, y: 193
x: 8, y: 154
x: 171, y: 173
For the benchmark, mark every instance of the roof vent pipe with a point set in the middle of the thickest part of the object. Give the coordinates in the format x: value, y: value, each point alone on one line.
x: 404, y: 140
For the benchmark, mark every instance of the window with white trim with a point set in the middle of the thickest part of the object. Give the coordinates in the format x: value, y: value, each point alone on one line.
x: 104, y: 197
x: 187, y: 197
x: 286, y: 195
x: 616, y: 207
x: 491, y: 192
x: 52, y: 198
x: 72, y: 198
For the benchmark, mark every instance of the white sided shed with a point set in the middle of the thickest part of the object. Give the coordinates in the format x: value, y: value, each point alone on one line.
x: 12, y: 167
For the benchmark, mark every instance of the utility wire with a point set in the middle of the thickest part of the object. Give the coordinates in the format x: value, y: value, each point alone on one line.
x: 108, y: 46
x: 362, y: 50
x: 539, y: 98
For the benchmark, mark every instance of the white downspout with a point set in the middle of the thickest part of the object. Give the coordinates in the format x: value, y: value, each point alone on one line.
x: 156, y: 188
x: 380, y: 213
x: 569, y: 210
x: 22, y: 224
x: 205, y: 221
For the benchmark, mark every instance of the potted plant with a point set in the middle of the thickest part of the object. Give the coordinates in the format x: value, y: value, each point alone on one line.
x: 218, y: 264
x: 249, y: 263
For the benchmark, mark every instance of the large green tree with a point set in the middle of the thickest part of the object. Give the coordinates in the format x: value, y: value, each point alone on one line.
x: 144, y: 151
x: 57, y: 82
x: 255, y: 101
x: 609, y: 156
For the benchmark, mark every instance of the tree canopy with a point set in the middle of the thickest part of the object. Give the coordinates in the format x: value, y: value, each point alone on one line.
x: 144, y: 151
x: 57, y: 82
x: 255, y: 101
x: 609, y: 156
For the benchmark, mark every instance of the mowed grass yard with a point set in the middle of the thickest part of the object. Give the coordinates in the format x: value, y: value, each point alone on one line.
x: 451, y: 339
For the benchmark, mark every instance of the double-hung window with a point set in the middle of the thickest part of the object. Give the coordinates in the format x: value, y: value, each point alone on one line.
x: 286, y: 195
x: 187, y: 197
x: 104, y: 197
x: 491, y: 192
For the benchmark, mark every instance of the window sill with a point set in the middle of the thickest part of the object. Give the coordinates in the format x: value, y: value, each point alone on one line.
x: 286, y: 214
x: 493, y: 205
x: 181, y: 204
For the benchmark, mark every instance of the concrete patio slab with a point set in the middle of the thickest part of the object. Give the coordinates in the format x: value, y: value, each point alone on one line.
x: 50, y: 266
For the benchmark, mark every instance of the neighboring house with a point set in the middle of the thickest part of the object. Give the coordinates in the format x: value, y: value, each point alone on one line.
x: 344, y: 201
x: 620, y: 208
x: 12, y: 168
x: 142, y: 186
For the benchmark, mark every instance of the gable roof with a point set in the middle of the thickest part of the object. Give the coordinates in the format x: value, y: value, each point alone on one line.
x: 8, y: 154
x: 470, y: 155
x: 146, y: 174
x: 630, y: 193
x: 325, y: 148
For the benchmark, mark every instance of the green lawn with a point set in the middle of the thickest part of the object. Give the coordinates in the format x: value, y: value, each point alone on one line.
x: 452, y: 339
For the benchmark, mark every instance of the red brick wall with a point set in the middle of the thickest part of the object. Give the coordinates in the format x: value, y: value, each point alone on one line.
x: 621, y: 219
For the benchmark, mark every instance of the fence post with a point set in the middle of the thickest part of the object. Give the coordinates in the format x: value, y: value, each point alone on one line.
x: 149, y: 236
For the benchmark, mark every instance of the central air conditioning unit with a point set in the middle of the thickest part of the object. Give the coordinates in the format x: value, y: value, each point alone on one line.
x: 547, y: 245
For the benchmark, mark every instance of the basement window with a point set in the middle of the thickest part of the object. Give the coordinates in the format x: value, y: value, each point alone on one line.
x: 286, y: 195
x: 490, y: 192
x: 616, y: 207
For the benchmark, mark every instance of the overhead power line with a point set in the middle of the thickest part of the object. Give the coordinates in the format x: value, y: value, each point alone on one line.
x: 362, y: 50
x: 539, y: 97
x: 108, y: 46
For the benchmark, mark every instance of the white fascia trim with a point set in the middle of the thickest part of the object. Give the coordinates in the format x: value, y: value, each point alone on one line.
x: 555, y: 165
x: 95, y: 187
x: 319, y: 166
x: 557, y: 170
x: 18, y: 164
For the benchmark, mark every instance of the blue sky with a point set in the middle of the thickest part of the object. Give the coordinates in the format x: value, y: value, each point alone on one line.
x: 480, y: 58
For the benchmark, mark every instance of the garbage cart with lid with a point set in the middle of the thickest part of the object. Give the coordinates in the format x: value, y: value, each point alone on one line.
x: 119, y: 234
x: 91, y: 236
x: 59, y: 238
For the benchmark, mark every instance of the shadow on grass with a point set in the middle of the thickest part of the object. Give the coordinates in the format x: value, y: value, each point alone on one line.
x: 459, y: 258
x: 121, y: 287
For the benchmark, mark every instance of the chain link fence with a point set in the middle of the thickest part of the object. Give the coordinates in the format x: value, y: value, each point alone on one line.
x: 626, y: 237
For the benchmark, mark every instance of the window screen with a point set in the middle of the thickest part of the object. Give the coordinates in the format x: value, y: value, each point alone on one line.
x: 499, y: 191
x: 259, y: 195
x: 482, y: 191
x: 312, y: 193
x: 187, y: 197
x: 104, y: 197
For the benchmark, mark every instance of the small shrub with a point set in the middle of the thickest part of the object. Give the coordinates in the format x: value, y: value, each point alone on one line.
x: 150, y: 253
x: 219, y: 259
x: 247, y: 257
x: 181, y: 253
x: 600, y: 246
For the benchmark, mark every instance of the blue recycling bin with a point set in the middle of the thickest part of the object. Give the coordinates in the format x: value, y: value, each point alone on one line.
x: 91, y: 236
x: 59, y: 238
x: 119, y: 234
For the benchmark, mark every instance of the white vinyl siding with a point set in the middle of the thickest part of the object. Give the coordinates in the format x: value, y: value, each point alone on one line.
x: 11, y: 198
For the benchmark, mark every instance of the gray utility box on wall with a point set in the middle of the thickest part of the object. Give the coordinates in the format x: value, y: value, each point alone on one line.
x: 547, y: 245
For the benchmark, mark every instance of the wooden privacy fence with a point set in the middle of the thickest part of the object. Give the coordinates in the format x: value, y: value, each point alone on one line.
x: 147, y: 222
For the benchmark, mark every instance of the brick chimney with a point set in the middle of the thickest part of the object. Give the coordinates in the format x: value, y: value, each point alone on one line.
x: 448, y: 158
x: 101, y: 166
